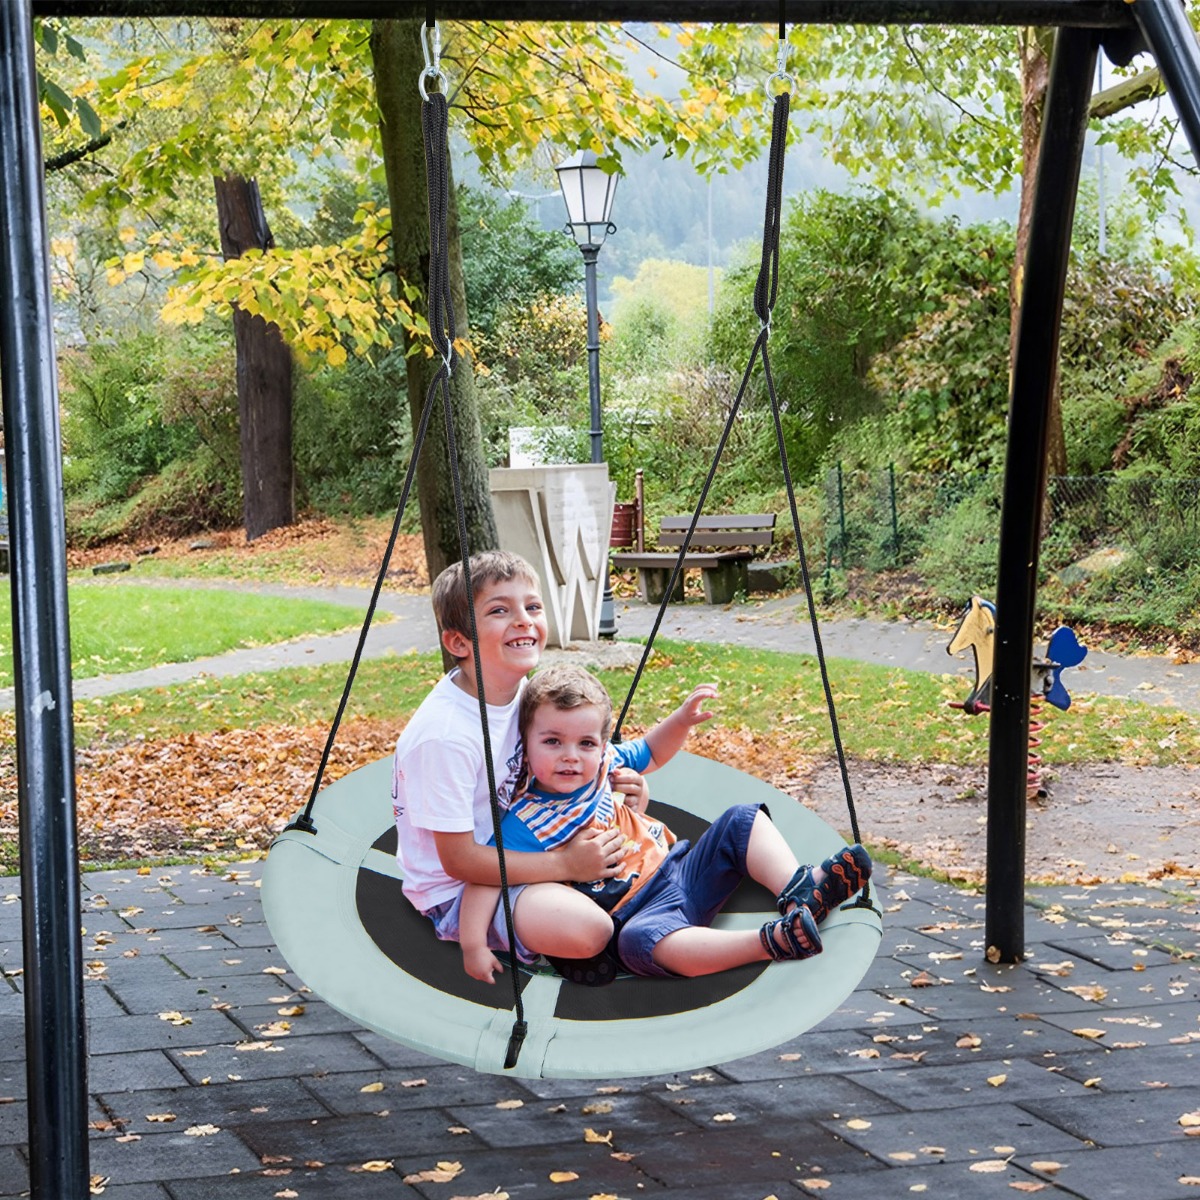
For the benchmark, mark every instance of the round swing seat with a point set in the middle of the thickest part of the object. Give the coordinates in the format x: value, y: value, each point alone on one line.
x: 334, y: 904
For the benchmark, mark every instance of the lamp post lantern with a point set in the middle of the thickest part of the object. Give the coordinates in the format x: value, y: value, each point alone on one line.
x: 588, y: 192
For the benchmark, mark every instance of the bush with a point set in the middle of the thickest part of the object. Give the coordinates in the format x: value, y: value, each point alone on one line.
x: 962, y: 545
x: 114, y: 431
x: 352, y: 434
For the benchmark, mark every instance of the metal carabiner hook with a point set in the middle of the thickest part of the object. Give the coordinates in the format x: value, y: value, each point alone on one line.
x: 781, y: 71
x: 433, y: 59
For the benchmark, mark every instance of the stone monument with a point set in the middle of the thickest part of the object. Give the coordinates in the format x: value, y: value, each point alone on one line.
x: 559, y: 518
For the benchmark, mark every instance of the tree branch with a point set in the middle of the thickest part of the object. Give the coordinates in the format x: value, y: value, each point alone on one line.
x: 1146, y: 85
x: 60, y: 161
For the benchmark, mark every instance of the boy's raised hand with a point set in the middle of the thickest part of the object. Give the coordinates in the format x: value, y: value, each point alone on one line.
x: 692, y: 710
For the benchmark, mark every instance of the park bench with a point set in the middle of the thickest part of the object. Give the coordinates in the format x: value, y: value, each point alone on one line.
x: 721, y: 549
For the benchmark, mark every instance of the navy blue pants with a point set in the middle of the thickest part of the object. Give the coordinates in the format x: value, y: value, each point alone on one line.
x: 689, y: 888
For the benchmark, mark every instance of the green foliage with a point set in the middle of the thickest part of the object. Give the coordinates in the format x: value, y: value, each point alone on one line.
x: 962, y: 543
x: 508, y: 260
x: 114, y: 432
x: 352, y: 436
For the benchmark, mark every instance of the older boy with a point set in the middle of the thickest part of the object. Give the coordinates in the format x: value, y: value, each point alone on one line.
x: 441, y: 790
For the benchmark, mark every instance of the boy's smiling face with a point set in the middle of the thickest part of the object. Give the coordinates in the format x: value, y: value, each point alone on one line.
x: 511, y: 622
x: 564, y: 746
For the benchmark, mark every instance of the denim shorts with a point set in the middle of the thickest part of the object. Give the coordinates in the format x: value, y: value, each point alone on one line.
x: 688, y: 889
x: 445, y: 918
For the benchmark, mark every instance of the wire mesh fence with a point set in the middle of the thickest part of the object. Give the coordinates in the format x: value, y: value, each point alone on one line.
x: 885, y: 519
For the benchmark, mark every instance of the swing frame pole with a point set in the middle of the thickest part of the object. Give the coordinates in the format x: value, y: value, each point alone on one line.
x: 55, y: 1059
x: 1064, y: 124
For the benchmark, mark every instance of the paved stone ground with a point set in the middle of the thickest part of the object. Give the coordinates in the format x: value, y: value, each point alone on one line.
x: 942, y: 1074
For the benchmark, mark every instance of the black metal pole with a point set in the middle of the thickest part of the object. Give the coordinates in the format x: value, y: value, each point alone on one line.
x: 55, y: 1049
x: 590, y: 255
x: 608, y: 620
x: 1064, y: 124
x: 1165, y: 25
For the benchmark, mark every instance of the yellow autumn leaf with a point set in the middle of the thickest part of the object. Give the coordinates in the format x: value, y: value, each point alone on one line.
x: 996, y: 1080
x: 1046, y: 1166
x: 377, y: 1086
x: 563, y: 1176
x: 1190, y: 1120
x: 115, y: 276
x: 1089, y: 1033
x: 858, y: 1123
x: 377, y: 1164
x: 336, y: 355
x: 989, y: 1166
x: 590, y: 1135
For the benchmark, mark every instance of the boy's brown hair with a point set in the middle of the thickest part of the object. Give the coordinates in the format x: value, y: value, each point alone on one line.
x: 565, y: 687
x: 451, y: 604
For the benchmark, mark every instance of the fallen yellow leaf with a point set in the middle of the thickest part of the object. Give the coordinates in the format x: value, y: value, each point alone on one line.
x: 725, y: 1117
x: 377, y: 1086
x: 996, y: 1080
x: 444, y: 1172
x: 160, y: 1117
x: 510, y: 1104
x: 201, y: 1130
x: 858, y: 1123
x: 989, y: 1166
x: 1089, y: 1033
x: 379, y: 1164
x: 815, y: 1184
x: 1190, y: 1120
x: 1026, y: 1185
x: 1047, y: 1167
x: 604, y: 1139
x: 563, y: 1176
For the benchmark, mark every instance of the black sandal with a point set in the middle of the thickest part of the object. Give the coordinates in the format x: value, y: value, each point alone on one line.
x: 793, y: 949
x: 845, y: 874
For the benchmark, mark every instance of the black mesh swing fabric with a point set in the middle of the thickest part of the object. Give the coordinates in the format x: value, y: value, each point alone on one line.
x: 407, y: 939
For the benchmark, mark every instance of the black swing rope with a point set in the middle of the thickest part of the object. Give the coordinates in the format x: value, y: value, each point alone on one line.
x: 765, y: 292
x: 435, y: 132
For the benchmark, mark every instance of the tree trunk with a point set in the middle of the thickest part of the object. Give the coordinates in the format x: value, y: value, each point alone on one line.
x: 1036, y: 45
x: 396, y: 53
x: 264, y: 374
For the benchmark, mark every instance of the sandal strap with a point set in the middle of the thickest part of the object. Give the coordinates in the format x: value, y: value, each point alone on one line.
x: 799, y: 890
x: 794, y: 949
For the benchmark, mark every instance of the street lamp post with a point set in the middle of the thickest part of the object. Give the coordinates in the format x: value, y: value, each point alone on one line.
x: 588, y: 192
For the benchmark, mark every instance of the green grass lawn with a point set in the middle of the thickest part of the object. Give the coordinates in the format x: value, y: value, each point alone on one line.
x: 884, y: 712
x: 125, y: 627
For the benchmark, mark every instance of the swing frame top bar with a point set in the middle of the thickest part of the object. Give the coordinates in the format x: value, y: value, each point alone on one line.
x: 1092, y: 14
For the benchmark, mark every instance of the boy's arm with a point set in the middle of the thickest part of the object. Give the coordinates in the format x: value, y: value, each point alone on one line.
x: 667, y: 737
x: 591, y: 854
x: 474, y: 919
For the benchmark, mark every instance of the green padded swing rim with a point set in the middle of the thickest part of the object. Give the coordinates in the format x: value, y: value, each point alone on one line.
x: 309, y: 897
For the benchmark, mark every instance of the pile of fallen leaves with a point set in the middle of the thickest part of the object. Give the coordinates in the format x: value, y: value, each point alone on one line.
x: 313, y: 549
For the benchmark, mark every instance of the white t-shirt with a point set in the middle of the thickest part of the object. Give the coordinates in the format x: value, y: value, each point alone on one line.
x: 440, y: 783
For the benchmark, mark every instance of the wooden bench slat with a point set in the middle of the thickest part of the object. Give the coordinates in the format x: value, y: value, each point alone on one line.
x: 652, y: 561
x: 726, y: 521
x: 720, y: 538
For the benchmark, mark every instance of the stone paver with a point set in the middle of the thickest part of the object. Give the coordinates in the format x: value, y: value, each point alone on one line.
x: 961, y: 1088
x: 940, y: 1074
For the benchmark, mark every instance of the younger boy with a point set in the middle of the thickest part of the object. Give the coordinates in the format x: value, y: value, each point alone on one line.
x: 441, y: 790
x: 667, y: 893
